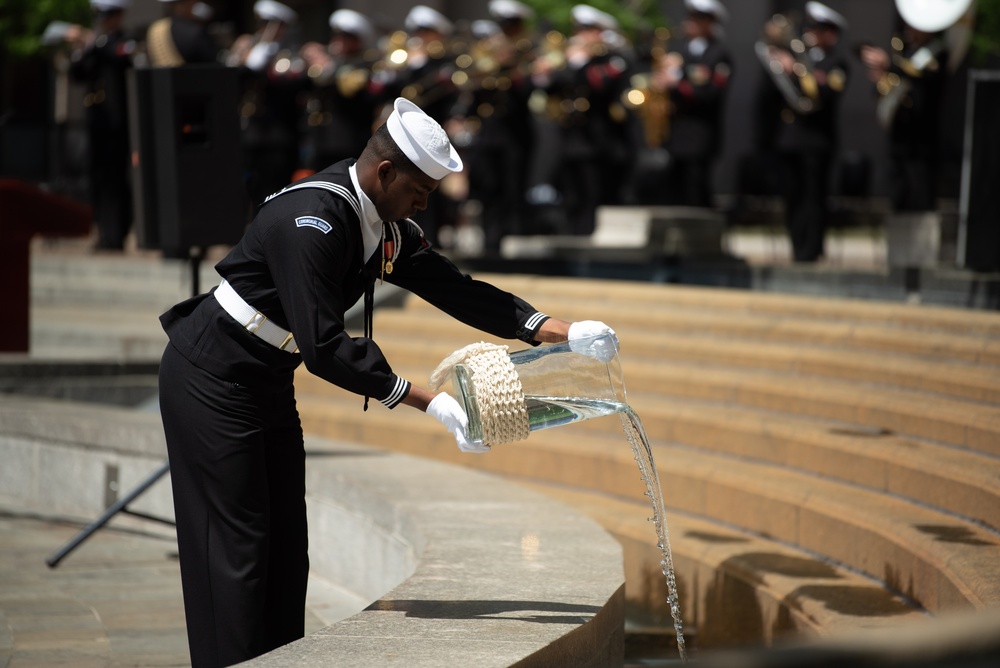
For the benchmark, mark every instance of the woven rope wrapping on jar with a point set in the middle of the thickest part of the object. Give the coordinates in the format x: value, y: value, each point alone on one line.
x: 502, y: 411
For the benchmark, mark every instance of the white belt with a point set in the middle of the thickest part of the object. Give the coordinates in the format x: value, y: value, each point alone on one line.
x: 253, y: 320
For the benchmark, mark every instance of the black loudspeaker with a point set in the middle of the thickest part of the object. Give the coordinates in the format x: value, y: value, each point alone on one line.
x: 979, y: 206
x: 188, y: 182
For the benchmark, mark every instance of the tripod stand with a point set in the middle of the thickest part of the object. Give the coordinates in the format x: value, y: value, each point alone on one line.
x: 121, y: 506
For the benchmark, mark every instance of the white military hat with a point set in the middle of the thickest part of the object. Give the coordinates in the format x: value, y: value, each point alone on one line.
x: 203, y: 11
x: 712, y: 7
x: 422, y: 16
x: 510, y: 9
x: 269, y: 10
x: 585, y: 15
x: 483, y: 28
x: 109, y: 5
x: 355, y: 23
x: 820, y: 13
x: 422, y: 140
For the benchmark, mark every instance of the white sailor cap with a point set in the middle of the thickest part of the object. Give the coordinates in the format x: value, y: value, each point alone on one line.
x: 110, y: 5
x: 203, y: 11
x: 423, y: 17
x: 585, y: 15
x: 713, y: 8
x: 820, y: 13
x: 482, y: 28
x: 510, y: 9
x: 422, y: 140
x: 269, y: 10
x: 355, y: 23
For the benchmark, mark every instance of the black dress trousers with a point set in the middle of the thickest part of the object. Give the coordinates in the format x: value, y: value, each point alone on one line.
x: 237, y: 466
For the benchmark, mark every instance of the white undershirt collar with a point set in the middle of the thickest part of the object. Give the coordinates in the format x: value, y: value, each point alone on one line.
x: 371, y: 223
x: 697, y: 46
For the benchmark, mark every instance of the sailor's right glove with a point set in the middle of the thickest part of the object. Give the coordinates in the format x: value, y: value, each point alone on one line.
x: 448, y: 412
x: 593, y: 338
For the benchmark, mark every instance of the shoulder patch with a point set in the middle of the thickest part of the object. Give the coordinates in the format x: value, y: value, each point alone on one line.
x: 313, y: 221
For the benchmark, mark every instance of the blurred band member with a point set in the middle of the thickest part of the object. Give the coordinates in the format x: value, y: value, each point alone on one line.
x: 180, y: 37
x: 806, y: 132
x: 274, y: 77
x: 100, y: 58
x: 910, y: 81
x: 585, y: 142
x: 494, y: 120
x: 697, y: 78
x: 343, y: 101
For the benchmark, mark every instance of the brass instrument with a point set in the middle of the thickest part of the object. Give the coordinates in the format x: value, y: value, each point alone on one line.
x: 402, y: 50
x: 927, y: 17
x: 493, y: 62
x: 781, y: 35
x: 558, y: 53
x: 648, y: 97
x: 253, y: 47
x: 892, y: 88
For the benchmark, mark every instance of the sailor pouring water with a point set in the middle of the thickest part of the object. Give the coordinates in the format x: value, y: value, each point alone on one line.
x: 227, y: 399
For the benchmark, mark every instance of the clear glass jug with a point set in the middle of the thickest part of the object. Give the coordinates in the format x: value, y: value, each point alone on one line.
x: 560, y: 387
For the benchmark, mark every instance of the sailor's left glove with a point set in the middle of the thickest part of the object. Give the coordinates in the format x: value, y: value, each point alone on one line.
x: 448, y: 412
x: 593, y: 338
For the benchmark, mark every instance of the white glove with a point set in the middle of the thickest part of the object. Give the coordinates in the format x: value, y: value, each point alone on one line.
x: 448, y: 412
x: 593, y: 338
x: 260, y: 55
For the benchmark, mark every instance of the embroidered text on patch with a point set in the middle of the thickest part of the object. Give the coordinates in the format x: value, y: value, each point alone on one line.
x: 313, y: 221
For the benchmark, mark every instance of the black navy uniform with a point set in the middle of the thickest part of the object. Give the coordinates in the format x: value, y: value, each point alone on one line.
x: 915, y: 125
x: 233, y: 433
x: 501, y: 129
x: 343, y: 105
x: 269, y: 119
x: 594, y: 137
x: 807, y: 143
x: 102, y: 67
x: 696, y: 119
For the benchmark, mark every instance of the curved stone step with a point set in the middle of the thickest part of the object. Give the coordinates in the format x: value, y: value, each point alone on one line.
x: 778, y: 589
x: 966, y: 424
x: 936, y: 559
x: 629, y: 319
x: 601, y: 293
x: 962, y: 482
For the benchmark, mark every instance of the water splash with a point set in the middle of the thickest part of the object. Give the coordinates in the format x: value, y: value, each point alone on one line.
x: 636, y: 435
x: 550, y: 411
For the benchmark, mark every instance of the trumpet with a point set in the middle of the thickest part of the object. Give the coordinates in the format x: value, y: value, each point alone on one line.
x: 648, y: 97
x: 402, y: 52
x: 781, y: 39
x: 559, y: 53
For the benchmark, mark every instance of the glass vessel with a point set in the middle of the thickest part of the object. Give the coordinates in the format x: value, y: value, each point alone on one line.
x: 560, y: 386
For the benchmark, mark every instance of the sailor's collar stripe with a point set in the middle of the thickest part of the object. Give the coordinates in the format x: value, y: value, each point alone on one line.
x: 335, y: 188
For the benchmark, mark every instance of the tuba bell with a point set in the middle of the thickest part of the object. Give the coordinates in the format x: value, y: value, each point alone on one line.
x: 932, y: 15
x: 928, y: 16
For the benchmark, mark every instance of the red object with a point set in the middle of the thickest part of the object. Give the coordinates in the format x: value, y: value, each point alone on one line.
x: 25, y: 211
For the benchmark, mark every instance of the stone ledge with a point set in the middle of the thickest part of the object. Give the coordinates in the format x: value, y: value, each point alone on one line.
x: 485, y: 572
x: 502, y: 575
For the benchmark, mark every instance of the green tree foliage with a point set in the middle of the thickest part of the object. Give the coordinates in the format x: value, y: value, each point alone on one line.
x: 634, y: 16
x: 22, y: 22
x: 986, y: 34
